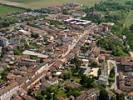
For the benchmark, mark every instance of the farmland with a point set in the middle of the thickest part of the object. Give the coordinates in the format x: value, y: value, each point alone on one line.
x: 47, y: 3
x: 129, y: 19
x: 4, y: 10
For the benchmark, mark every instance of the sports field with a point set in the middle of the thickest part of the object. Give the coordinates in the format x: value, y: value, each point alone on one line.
x: 4, y: 10
x: 46, y: 3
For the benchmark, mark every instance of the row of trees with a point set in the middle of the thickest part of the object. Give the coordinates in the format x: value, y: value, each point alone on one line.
x: 116, y: 12
x: 110, y: 6
x: 102, y: 12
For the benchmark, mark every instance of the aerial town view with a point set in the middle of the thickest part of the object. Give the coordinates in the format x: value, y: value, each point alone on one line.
x: 66, y: 49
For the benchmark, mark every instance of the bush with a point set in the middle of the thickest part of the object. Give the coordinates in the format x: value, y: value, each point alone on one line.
x: 35, y: 35
x: 72, y: 91
x: 103, y: 95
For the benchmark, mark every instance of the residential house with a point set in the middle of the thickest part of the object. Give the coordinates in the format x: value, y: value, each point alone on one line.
x: 91, y: 94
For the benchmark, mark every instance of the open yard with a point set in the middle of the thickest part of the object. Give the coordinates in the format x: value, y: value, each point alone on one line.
x: 46, y: 3
x: 4, y: 10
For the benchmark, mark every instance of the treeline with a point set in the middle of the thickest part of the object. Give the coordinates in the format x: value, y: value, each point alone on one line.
x: 110, y: 6
x: 116, y: 12
x: 107, y: 11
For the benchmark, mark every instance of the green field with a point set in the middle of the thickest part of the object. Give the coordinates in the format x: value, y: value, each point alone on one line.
x: 5, y: 10
x: 46, y: 3
x: 23, y: 1
x: 129, y: 19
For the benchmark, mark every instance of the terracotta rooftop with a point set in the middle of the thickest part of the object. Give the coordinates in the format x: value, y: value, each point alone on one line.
x: 124, y: 60
x: 7, y: 88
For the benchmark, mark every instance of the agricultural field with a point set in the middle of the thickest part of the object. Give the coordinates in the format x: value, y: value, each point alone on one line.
x: 5, y: 10
x: 47, y: 3
x: 129, y: 19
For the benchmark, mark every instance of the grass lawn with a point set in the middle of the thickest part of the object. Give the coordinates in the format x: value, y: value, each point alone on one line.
x: 4, y: 10
x: 46, y: 3
x: 129, y: 19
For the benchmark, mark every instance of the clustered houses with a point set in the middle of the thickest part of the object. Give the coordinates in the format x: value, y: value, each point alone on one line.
x: 47, y: 36
x: 125, y: 77
x: 91, y: 94
x: 36, y: 40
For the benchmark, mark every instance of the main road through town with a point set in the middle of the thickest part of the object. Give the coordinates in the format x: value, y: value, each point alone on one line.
x: 26, y: 84
x: 35, y: 78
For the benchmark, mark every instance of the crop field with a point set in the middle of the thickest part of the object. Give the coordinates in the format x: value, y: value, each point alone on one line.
x: 129, y: 19
x: 4, y: 10
x: 47, y: 3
